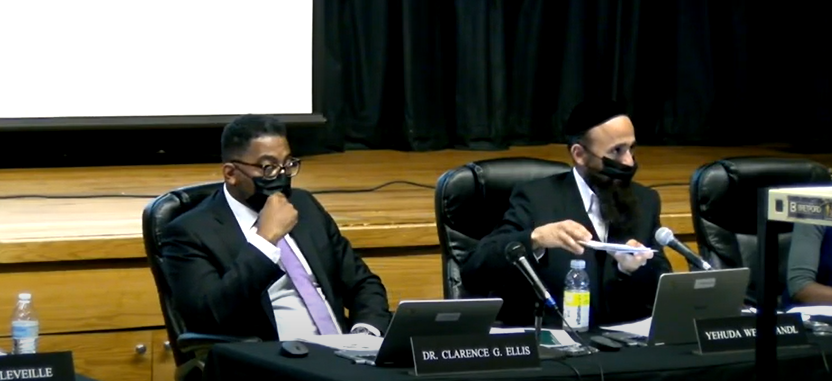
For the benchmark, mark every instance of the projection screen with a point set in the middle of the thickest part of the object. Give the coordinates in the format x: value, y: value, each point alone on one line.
x: 156, y: 62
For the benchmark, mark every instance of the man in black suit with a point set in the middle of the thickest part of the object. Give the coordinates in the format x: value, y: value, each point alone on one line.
x: 595, y: 201
x: 258, y: 258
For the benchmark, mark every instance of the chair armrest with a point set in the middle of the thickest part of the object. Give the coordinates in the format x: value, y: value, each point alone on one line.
x: 192, y: 342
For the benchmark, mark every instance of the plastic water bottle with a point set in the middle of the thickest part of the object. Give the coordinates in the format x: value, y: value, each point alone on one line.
x: 25, y: 326
x: 576, y: 297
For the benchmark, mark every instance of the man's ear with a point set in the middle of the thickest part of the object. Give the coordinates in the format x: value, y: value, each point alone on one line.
x: 228, y: 174
x: 578, y: 154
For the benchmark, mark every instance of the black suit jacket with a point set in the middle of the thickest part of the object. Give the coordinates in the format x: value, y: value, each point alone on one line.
x: 220, y: 282
x: 615, y: 296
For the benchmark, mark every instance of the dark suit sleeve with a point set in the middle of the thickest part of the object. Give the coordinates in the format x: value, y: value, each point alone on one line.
x: 209, y: 301
x: 632, y: 296
x: 487, y: 263
x: 364, y: 295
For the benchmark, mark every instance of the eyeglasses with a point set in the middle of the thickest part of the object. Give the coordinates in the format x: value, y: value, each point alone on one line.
x: 291, y: 167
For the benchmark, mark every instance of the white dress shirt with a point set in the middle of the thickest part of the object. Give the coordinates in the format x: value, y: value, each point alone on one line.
x: 290, y: 313
x: 592, y: 206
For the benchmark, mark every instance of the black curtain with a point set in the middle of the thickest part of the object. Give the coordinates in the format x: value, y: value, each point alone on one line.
x: 487, y: 74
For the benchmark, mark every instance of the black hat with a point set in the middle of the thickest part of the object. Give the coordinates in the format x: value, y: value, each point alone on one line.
x: 589, y: 114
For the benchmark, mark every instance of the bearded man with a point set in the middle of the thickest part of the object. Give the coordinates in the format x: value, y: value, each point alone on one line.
x: 596, y: 201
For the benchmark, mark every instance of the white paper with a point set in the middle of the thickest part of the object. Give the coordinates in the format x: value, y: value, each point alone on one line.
x: 560, y: 336
x: 640, y: 328
x: 812, y: 310
x: 614, y: 247
x: 348, y: 342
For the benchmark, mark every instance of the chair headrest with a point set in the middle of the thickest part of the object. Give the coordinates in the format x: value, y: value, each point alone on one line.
x: 473, y: 198
x: 165, y: 208
x: 725, y: 192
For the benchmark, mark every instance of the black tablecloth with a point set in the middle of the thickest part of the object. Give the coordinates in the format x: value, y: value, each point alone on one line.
x: 256, y: 361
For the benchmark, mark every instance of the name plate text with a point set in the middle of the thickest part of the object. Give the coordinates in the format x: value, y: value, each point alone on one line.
x: 740, y: 333
x: 53, y: 366
x: 435, y: 355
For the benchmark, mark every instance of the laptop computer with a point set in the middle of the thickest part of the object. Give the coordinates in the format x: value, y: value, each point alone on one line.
x: 429, y: 318
x: 683, y: 297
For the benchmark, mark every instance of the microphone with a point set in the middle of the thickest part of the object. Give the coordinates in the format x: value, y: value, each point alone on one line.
x: 516, y: 254
x: 664, y: 237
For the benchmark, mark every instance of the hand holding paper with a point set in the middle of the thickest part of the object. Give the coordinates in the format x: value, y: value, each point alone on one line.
x: 564, y: 234
x: 615, y: 247
x: 630, y: 257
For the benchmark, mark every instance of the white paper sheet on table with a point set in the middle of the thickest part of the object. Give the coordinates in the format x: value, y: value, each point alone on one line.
x: 348, y: 342
x: 559, y: 335
x: 614, y: 247
x: 812, y: 310
x: 640, y: 328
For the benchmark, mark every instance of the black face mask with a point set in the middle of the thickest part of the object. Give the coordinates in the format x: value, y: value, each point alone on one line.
x: 264, y: 188
x: 615, y: 170
x: 618, y: 171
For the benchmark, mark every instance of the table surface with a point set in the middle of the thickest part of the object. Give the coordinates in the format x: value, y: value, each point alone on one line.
x: 256, y: 360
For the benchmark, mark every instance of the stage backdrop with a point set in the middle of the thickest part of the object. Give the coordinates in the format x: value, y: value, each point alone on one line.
x: 486, y: 74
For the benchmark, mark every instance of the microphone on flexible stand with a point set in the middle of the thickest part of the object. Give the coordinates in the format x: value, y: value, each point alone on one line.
x: 664, y: 237
x: 515, y: 253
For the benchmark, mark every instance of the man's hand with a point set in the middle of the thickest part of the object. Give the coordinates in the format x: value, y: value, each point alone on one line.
x: 629, y: 263
x: 277, y: 218
x: 563, y: 235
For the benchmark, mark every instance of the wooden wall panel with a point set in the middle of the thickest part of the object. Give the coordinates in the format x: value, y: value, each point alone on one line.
x: 84, y: 300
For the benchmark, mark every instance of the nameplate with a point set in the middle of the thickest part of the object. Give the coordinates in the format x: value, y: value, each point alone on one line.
x: 740, y: 333
x: 814, y: 208
x: 438, y: 355
x: 54, y: 366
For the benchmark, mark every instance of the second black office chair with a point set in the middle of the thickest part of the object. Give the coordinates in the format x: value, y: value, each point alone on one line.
x: 471, y: 201
x: 723, y: 202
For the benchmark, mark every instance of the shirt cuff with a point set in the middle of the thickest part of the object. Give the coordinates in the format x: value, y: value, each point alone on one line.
x: 373, y: 330
x: 267, y: 248
x: 539, y: 253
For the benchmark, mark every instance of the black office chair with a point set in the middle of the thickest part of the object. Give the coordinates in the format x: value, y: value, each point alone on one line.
x: 189, y: 349
x: 471, y: 201
x: 723, y: 202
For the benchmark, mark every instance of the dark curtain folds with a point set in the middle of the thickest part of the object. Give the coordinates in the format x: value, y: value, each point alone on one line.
x: 487, y: 74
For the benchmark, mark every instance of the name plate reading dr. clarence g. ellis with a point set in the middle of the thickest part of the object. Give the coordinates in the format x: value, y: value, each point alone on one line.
x: 435, y: 355
x: 740, y: 333
x: 53, y: 366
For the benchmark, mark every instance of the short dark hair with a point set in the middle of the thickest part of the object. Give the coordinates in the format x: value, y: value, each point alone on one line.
x: 238, y: 134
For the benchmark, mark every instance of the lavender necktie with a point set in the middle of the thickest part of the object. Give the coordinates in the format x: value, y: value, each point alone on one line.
x: 308, y: 292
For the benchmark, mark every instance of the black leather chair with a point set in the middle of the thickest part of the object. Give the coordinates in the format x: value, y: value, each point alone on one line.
x: 189, y: 349
x: 471, y: 201
x: 723, y: 202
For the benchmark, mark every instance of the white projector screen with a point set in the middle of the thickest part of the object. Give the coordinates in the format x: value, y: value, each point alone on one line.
x: 149, y: 58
